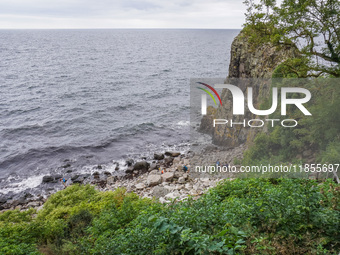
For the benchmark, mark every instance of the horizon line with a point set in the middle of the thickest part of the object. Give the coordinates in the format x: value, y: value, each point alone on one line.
x: 141, y: 28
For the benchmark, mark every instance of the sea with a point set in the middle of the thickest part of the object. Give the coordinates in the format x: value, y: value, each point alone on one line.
x: 76, y: 99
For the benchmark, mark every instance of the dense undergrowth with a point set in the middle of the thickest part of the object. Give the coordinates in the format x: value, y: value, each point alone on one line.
x: 244, y: 216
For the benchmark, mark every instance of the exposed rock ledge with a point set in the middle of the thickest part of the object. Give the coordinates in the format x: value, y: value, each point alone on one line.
x: 246, y: 62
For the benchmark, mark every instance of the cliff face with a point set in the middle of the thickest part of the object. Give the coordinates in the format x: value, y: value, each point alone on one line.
x: 247, y: 61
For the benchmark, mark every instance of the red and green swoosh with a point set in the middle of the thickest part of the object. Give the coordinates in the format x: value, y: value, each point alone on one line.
x: 209, y: 93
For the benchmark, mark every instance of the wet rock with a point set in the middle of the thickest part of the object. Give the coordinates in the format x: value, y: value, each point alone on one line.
x: 99, y: 167
x: 154, y: 180
x: 172, y: 153
x: 48, y: 179
x: 69, y: 171
x: 3, y: 200
x: 158, y: 156
x: 159, y: 191
x: 33, y: 204
x: 142, y: 165
x: 66, y: 166
x: 129, y: 162
x: 57, y: 177
x: 129, y: 170
x: 100, y: 183
x: 111, y: 180
x: 168, y: 176
x: 107, y: 173
x: 75, y: 177
x: 80, y: 178
x: 20, y: 201
x: 95, y: 175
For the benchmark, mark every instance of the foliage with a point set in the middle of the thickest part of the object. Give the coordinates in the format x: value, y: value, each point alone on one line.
x: 17, y: 234
x: 244, y: 216
x: 310, y: 26
x: 315, y: 136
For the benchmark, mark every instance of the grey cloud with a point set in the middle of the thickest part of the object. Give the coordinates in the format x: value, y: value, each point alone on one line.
x: 136, y: 13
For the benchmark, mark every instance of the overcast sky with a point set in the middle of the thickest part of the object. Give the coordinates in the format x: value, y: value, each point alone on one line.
x: 121, y: 13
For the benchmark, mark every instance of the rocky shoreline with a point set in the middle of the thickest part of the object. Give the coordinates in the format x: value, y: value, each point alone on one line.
x: 162, y: 178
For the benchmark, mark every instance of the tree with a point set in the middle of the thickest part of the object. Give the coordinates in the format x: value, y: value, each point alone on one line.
x: 311, y: 26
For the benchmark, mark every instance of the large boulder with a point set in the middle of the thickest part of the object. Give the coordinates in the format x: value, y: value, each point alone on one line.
x: 153, y: 166
x: 129, y: 170
x: 140, y: 186
x: 173, y: 195
x: 142, y: 165
x: 158, y: 156
x: 181, y: 180
x: 48, y: 179
x: 111, y: 180
x: 172, y: 153
x: 155, y: 172
x: 167, y: 177
x: 159, y: 191
x: 247, y: 60
x: 154, y: 180
x: 168, y: 161
x: 3, y: 200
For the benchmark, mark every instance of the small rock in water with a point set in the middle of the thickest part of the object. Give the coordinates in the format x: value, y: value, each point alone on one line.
x: 99, y: 167
x: 47, y: 179
x: 158, y: 156
x: 129, y: 162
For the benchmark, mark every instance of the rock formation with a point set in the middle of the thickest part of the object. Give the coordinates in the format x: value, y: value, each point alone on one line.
x: 247, y: 61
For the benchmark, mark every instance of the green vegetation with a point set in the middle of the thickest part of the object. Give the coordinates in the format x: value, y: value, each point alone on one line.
x: 312, y: 28
x: 248, y: 216
x: 315, y: 136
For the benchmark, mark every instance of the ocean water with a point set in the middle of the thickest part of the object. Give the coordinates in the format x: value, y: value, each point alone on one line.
x: 89, y: 97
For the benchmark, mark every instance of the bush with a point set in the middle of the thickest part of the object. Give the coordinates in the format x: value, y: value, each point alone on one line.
x: 244, y: 216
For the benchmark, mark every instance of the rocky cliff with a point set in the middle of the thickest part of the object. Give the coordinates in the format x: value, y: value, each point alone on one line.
x: 247, y: 61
